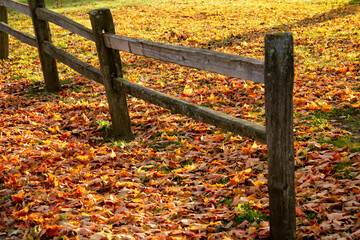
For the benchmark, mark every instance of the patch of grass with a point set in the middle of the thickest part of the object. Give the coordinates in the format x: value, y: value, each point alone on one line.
x: 340, y: 142
x: 354, y: 2
x: 344, y: 170
x: 187, y: 162
x: 320, y: 122
x: 66, y: 82
x: 166, y: 169
x: 157, y: 210
x: 347, y: 119
x: 148, y: 168
x: 223, y: 181
x: 245, y: 212
x: 178, y: 179
x: 310, y: 215
x: 337, y: 142
x: 227, y: 200
x: 342, y: 165
x: 118, y: 144
x: 104, y: 125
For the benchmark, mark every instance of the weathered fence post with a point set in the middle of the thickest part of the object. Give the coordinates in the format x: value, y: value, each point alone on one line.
x: 279, y: 78
x: 110, y: 63
x: 4, y: 38
x: 42, y: 33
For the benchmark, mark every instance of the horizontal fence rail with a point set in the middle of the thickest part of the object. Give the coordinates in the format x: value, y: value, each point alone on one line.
x: 196, y: 112
x: 66, y: 23
x: 23, y: 37
x: 217, y: 62
x: 85, y: 69
x: 20, y: 7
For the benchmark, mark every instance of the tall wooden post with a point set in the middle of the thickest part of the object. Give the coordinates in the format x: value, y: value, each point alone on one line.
x: 4, y: 38
x: 279, y: 78
x: 42, y: 33
x: 110, y: 63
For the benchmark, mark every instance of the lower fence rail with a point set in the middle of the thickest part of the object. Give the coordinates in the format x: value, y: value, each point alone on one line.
x: 196, y: 112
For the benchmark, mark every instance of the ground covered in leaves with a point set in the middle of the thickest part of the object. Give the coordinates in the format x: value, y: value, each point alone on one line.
x: 63, y: 177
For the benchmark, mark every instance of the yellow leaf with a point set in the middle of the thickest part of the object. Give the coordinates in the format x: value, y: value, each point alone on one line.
x: 136, y: 192
x: 82, y: 158
x: 212, y: 97
x: 188, y: 91
x: 112, y: 154
x: 356, y: 105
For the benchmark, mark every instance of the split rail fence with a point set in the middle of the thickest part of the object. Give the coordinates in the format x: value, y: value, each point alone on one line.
x: 276, y: 72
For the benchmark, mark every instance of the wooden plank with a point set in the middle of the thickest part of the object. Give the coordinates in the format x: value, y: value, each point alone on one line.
x: 110, y: 63
x: 197, y: 112
x: 227, y: 64
x: 4, y: 37
x: 23, y: 37
x: 64, y: 22
x: 42, y: 33
x: 20, y: 7
x: 85, y: 69
x: 279, y: 80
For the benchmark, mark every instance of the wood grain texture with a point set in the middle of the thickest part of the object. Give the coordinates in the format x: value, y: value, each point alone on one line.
x: 20, y: 7
x: 110, y: 64
x: 85, y: 69
x: 279, y: 80
x: 67, y: 23
x: 42, y: 33
x: 196, y: 112
x: 4, y: 37
x: 217, y: 62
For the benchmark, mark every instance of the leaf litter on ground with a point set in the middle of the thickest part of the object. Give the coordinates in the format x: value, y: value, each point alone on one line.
x: 63, y: 177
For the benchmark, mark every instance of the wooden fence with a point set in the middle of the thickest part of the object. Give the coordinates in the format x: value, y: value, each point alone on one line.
x: 277, y: 72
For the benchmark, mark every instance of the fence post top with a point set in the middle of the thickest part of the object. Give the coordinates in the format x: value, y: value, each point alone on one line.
x: 279, y: 35
x: 99, y: 11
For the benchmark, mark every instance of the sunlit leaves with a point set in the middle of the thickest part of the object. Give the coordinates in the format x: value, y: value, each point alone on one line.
x: 62, y: 176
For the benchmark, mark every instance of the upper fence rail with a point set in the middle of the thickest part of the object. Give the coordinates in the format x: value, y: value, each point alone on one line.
x: 20, y: 7
x: 216, y: 62
x: 66, y: 23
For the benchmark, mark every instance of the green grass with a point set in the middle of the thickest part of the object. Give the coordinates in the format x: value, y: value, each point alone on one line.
x: 104, y: 125
x: 227, y: 200
x: 116, y: 143
x: 346, y: 119
x: 345, y: 170
x: 245, y: 212
x: 354, y: 2
x: 340, y: 142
